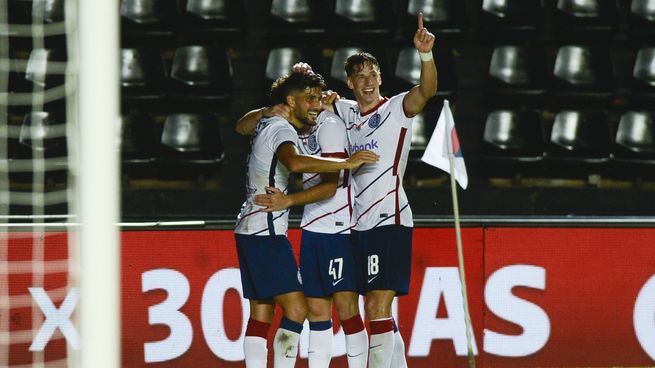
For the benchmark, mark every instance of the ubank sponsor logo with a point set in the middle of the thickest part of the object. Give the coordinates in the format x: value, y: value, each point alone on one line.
x: 372, y: 145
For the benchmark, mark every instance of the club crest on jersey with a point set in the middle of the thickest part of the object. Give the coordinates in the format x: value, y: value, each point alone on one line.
x: 312, y: 144
x: 374, y: 121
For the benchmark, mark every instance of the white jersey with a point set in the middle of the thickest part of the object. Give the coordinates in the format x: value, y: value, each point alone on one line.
x: 264, y: 169
x: 379, y: 197
x: 327, y: 139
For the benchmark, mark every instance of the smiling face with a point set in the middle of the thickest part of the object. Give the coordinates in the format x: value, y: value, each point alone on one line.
x: 305, y: 105
x: 365, y: 81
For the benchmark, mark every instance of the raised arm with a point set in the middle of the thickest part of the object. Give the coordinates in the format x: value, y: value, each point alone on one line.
x: 419, y: 95
x: 248, y: 122
x: 288, y: 154
x: 276, y: 200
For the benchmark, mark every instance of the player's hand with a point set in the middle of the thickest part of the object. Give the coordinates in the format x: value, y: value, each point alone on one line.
x: 302, y: 67
x: 274, y: 200
x: 423, y: 39
x: 361, y: 157
x: 281, y: 110
x: 329, y: 97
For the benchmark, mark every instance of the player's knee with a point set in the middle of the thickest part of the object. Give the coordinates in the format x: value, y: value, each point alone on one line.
x: 296, y: 312
x: 376, y: 308
x: 346, y: 308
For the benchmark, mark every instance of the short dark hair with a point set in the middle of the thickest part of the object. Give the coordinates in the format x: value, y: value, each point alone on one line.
x: 359, y: 59
x: 296, y: 81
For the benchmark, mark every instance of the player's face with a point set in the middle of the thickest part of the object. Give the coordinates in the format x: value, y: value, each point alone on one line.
x: 307, y: 106
x: 365, y: 82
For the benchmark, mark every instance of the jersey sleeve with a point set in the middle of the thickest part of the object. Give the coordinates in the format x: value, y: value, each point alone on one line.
x: 332, y: 136
x: 398, y: 111
x: 278, y: 133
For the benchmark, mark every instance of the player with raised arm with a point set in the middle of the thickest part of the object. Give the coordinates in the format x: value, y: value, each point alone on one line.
x: 269, y: 273
x: 326, y: 262
x: 382, y: 219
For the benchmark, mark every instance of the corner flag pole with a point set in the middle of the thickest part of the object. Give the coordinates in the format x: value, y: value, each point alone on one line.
x: 460, y: 257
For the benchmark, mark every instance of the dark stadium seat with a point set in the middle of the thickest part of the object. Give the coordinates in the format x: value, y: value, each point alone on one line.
x: 513, y: 143
x: 641, y: 19
x: 643, y: 78
x: 516, y: 75
x: 148, y: 16
x: 408, y: 71
x: 582, y: 74
x: 280, y: 60
x: 193, y: 138
x: 42, y: 131
x: 364, y: 18
x: 634, y: 151
x: 190, y: 147
x: 509, y: 20
x: 445, y: 17
x: 46, y: 68
x: 212, y: 18
x: 337, y: 76
x: 142, y: 73
x: 583, y: 20
x: 138, y: 139
x: 50, y: 10
x: 201, y: 72
x: 580, y: 135
x: 299, y: 17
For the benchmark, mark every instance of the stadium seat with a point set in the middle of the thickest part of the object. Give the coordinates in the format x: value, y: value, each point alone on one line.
x: 148, y: 16
x: 513, y: 143
x: 581, y: 75
x: 50, y: 10
x: 281, y: 59
x: 516, y: 75
x: 580, y: 136
x: 442, y: 17
x: 299, y: 17
x: 408, y: 71
x: 138, y: 140
x: 46, y: 68
x: 364, y: 17
x: 641, y: 19
x: 643, y: 78
x: 214, y: 18
x: 201, y: 72
x: 192, y: 138
x: 44, y: 132
x: 509, y: 20
x: 585, y: 20
x: 634, y: 152
x: 141, y: 73
x: 191, y: 146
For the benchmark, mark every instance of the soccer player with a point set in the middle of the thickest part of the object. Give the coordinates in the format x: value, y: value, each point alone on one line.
x: 269, y: 273
x: 326, y: 262
x: 382, y: 219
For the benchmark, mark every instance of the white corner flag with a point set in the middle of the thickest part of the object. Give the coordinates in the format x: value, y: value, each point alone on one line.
x: 443, y: 142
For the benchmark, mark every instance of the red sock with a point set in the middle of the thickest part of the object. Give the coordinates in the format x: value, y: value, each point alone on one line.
x: 352, y: 325
x: 257, y: 328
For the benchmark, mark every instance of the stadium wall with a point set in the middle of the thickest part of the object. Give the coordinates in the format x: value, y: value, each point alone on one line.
x: 540, y: 297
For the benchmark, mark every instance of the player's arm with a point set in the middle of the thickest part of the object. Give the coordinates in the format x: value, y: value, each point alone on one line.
x: 248, y: 122
x: 276, y: 200
x: 288, y: 154
x: 419, y: 95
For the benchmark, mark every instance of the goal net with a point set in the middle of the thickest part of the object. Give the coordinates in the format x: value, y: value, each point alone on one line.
x: 59, y: 293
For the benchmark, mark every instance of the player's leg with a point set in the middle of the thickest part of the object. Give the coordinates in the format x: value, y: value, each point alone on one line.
x: 378, y: 312
x: 347, y: 306
x: 320, y: 331
x: 287, y: 336
x: 254, y: 345
x: 316, y: 278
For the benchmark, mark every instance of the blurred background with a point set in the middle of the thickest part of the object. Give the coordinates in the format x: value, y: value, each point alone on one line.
x: 553, y: 99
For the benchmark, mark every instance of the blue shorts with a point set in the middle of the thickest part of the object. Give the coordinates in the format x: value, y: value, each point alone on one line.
x: 383, y: 256
x: 326, y: 264
x: 268, y: 266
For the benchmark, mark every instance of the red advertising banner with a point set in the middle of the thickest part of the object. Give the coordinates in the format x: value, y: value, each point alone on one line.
x: 539, y: 297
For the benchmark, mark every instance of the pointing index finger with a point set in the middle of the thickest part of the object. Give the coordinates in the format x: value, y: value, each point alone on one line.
x: 420, y: 20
